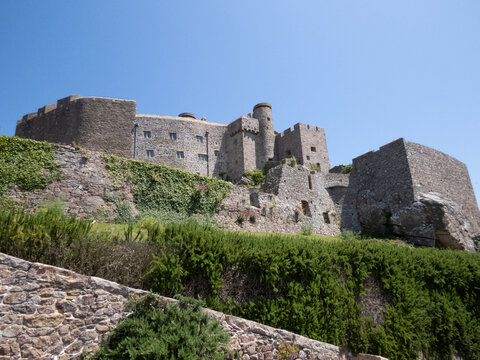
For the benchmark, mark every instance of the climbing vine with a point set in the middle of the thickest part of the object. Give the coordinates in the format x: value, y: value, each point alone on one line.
x: 162, y: 188
x: 27, y: 164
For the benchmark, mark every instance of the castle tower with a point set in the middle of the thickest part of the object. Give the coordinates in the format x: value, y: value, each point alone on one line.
x: 266, y: 141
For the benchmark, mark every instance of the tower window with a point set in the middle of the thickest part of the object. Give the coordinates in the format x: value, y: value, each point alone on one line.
x: 173, y: 136
x: 308, y: 157
x: 216, y: 152
x: 289, y: 153
x: 150, y: 154
x: 147, y: 134
x: 180, y: 155
x: 313, y: 149
x: 202, y: 157
x: 199, y: 139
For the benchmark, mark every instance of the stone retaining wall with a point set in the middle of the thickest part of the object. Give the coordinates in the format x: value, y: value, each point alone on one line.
x: 52, y: 313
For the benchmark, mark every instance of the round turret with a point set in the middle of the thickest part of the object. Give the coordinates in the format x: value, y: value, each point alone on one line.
x: 187, y: 115
x: 265, y: 152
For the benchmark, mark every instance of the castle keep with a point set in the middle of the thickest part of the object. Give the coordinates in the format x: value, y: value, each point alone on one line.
x: 402, y: 189
x: 212, y: 149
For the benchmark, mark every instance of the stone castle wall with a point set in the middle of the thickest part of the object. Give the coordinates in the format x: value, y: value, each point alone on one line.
x: 107, y: 125
x: 100, y: 124
x: 406, y: 189
x: 52, y: 313
x: 307, y: 143
x: 170, y: 138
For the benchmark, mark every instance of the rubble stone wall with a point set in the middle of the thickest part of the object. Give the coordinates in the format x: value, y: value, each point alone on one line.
x: 52, y: 313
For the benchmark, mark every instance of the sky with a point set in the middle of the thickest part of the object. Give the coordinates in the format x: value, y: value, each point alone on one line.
x: 367, y: 71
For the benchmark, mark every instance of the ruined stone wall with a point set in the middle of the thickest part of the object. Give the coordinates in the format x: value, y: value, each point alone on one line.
x: 52, y: 313
x: 291, y: 200
x: 170, y: 136
x: 101, y: 124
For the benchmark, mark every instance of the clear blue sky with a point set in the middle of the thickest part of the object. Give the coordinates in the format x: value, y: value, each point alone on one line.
x: 367, y: 71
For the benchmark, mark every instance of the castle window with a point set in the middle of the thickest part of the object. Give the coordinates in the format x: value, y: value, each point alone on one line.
x: 326, y: 218
x: 216, y: 152
x: 310, y: 182
x: 180, y: 155
x: 147, y: 134
x: 289, y: 153
x: 202, y: 157
x: 306, y: 208
x: 173, y: 136
x: 150, y: 154
x: 308, y: 157
x: 199, y: 139
x: 313, y: 149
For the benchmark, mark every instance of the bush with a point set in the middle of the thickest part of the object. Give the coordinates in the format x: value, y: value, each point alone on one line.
x: 258, y: 177
x: 159, y: 331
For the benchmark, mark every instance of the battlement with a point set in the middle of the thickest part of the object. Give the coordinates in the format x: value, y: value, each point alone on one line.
x: 244, y: 123
x: 297, y: 127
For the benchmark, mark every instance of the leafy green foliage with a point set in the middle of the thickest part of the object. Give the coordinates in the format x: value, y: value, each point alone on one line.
x: 27, y: 164
x: 309, y: 285
x: 257, y: 176
x: 174, y: 331
x: 162, y: 188
x: 347, y: 169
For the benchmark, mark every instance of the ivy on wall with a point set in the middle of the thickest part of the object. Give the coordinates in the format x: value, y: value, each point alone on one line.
x: 162, y: 188
x: 27, y: 164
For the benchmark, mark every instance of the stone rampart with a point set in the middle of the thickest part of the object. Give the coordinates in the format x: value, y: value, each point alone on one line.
x: 52, y: 313
x: 101, y: 124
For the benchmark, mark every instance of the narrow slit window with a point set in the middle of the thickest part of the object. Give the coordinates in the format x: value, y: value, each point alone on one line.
x: 180, y: 155
x: 150, y: 154
x: 173, y: 136
x: 310, y: 182
x: 147, y: 134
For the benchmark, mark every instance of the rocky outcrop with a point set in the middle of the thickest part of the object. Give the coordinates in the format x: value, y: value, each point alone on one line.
x: 52, y: 313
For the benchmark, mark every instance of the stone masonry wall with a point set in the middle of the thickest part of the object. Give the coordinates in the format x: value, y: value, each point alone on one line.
x: 188, y: 137
x: 101, y: 124
x: 434, y: 171
x: 52, y: 313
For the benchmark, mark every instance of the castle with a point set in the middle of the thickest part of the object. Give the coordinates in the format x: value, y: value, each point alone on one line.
x: 212, y: 149
x: 402, y: 189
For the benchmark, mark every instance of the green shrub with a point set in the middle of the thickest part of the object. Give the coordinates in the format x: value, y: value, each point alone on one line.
x: 27, y: 164
x: 257, y: 176
x: 173, y: 331
x: 347, y: 169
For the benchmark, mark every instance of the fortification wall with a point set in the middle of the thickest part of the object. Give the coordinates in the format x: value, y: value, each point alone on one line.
x: 307, y: 143
x: 434, y: 171
x: 52, y: 313
x: 380, y: 183
x: 290, y: 199
x: 241, y: 143
x: 171, y: 137
x: 100, y: 124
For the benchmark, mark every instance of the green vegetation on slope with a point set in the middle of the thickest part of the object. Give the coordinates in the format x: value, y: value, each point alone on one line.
x: 373, y: 296
x: 158, y: 188
x: 27, y: 164
x: 166, y: 331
